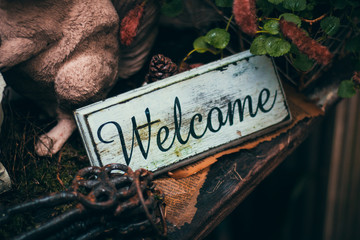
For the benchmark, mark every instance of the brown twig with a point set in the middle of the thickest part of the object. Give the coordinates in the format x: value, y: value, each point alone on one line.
x: 314, y: 20
x: 211, y: 4
x: 58, y: 170
x: 145, y: 208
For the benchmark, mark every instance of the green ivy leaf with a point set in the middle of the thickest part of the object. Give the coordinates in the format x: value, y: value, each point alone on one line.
x: 353, y: 44
x: 310, y: 6
x: 355, y: 13
x: 276, y: 2
x: 265, y: 7
x: 200, y: 44
x: 218, y: 38
x: 172, y: 8
x: 272, y: 26
x: 330, y: 25
x: 277, y: 47
x: 353, y: 3
x: 339, y: 4
x: 258, y: 45
x: 224, y: 3
x: 295, y: 5
x: 291, y: 18
x: 294, y: 49
x: 346, y: 89
x: 302, y: 62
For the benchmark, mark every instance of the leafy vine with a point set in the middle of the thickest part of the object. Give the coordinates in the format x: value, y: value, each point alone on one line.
x: 296, y: 29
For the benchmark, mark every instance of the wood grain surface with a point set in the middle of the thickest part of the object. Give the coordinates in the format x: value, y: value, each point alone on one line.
x: 223, y: 191
x: 187, y: 116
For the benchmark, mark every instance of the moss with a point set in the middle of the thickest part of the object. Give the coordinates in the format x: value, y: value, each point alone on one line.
x: 18, y: 223
x: 33, y: 176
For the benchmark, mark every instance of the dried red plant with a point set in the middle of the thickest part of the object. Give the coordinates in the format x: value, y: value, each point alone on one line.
x: 130, y: 23
x: 245, y: 16
x: 356, y: 78
x: 306, y: 44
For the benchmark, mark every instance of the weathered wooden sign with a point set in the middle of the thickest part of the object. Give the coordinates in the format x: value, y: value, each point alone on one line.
x: 186, y: 117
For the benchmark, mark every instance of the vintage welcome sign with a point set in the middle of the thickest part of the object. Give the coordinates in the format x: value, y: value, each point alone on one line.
x: 186, y: 117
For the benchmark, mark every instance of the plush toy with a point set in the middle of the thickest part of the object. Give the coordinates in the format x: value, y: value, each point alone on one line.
x: 2, y: 88
x: 5, y: 183
x: 69, y: 54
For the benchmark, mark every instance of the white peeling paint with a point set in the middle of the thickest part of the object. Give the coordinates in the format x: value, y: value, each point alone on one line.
x: 184, y: 113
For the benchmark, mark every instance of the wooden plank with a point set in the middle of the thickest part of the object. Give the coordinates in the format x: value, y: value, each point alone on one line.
x: 253, y: 166
x: 342, y: 205
x: 186, y: 117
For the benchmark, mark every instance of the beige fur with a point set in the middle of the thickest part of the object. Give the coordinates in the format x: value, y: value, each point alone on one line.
x: 68, y: 51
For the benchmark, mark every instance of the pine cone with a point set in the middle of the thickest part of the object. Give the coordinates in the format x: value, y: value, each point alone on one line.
x: 160, y: 67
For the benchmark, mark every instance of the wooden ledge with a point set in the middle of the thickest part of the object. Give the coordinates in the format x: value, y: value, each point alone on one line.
x: 198, y: 203
x: 234, y: 177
